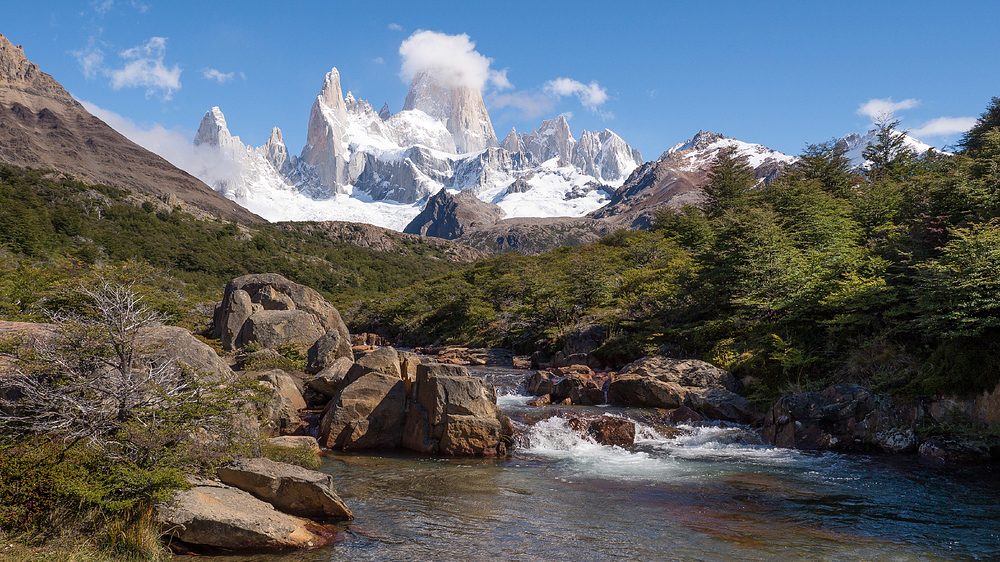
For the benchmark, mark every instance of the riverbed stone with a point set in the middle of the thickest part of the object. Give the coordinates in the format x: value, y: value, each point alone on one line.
x: 219, y: 516
x: 843, y: 417
x: 612, y: 431
x: 291, y: 489
x: 662, y: 382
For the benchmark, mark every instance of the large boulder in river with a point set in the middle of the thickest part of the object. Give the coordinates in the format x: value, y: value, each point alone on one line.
x: 218, y: 516
x: 454, y: 413
x: 662, y: 382
x: 289, y: 488
x: 267, y: 293
x: 368, y: 413
x: 844, y: 417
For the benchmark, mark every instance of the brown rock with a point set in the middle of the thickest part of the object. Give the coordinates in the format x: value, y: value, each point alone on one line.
x: 610, y: 431
x: 219, y: 516
x: 272, y: 328
x: 289, y: 488
x: 368, y: 413
x: 543, y: 400
x: 684, y: 415
x: 326, y: 350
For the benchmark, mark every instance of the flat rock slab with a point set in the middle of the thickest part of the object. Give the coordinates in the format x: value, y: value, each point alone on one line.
x: 289, y: 488
x: 218, y: 516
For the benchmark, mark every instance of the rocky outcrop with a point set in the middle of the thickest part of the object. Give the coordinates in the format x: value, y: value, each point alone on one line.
x: 43, y: 127
x: 576, y: 384
x: 271, y: 310
x: 552, y: 139
x: 536, y: 235
x: 844, y: 417
x: 214, y: 515
x: 450, y: 216
x: 453, y: 413
x: 605, y: 155
x: 661, y: 382
x: 367, y: 414
x: 290, y: 489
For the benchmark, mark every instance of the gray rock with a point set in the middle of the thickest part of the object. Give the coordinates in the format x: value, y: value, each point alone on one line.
x: 289, y: 488
x: 177, y: 344
x: 326, y: 350
x: 272, y: 328
x: 332, y: 379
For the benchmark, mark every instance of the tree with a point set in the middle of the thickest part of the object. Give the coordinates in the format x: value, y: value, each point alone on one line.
x: 973, y: 139
x: 828, y: 164
x: 731, y: 180
x: 889, y: 156
x: 93, y: 377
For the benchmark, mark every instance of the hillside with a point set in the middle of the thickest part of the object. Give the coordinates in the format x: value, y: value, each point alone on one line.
x: 42, y: 126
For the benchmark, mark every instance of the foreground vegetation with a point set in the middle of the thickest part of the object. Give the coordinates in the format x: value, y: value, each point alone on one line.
x: 889, y: 278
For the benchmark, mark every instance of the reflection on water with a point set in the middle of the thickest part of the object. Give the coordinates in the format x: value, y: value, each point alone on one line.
x: 710, y: 493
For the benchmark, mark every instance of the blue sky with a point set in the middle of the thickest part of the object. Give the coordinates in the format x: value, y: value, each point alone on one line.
x: 778, y: 73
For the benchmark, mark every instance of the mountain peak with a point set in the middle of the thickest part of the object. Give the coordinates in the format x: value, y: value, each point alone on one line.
x: 16, y: 70
x: 460, y: 108
x: 330, y: 93
x: 213, y: 131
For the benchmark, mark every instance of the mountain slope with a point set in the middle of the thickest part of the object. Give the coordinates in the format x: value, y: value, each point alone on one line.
x: 42, y: 126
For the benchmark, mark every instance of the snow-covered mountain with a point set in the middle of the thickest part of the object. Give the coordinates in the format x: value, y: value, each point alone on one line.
x: 697, y: 154
x: 856, y: 145
x: 380, y: 168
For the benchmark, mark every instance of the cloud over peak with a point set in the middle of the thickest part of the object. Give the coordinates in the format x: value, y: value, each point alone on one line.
x: 451, y: 59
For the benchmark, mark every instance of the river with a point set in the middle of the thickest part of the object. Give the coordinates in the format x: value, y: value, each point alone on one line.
x: 710, y: 492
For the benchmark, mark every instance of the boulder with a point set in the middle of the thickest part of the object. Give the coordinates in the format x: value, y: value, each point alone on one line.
x: 218, y: 516
x: 584, y: 339
x: 279, y: 415
x: 383, y: 360
x: 251, y: 295
x: 684, y: 415
x: 454, y: 413
x: 844, y: 417
x: 286, y: 386
x: 178, y: 345
x: 296, y: 442
x: 332, y: 379
x: 289, y: 488
x: 610, y: 431
x: 367, y: 414
x: 661, y: 382
x: 271, y: 328
x: 326, y: 350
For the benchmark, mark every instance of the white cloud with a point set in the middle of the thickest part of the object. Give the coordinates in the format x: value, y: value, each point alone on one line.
x: 531, y: 105
x: 220, y: 77
x: 91, y: 59
x: 590, y: 95
x: 499, y: 79
x: 876, y: 109
x: 395, y: 27
x: 146, y: 69
x: 102, y: 7
x: 378, y: 60
x: 204, y: 162
x: 451, y: 59
x: 944, y: 126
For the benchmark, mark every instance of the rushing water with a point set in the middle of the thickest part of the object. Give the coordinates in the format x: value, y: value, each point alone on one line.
x: 710, y: 492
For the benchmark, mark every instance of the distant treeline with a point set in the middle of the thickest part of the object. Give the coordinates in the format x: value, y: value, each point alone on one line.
x: 889, y: 276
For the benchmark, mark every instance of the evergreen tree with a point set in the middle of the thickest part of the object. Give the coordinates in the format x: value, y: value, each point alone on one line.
x: 827, y: 163
x: 730, y: 181
x: 973, y: 139
x: 889, y: 155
